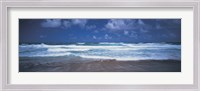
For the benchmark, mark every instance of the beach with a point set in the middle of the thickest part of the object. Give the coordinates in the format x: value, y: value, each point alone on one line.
x: 100, y: 57
x: 78, y: 64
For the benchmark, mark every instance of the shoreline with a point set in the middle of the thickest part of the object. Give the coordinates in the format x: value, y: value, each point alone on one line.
x: 78, y: 64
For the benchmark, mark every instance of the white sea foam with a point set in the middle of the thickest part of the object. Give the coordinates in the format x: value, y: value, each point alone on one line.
x: 119, y: 51
x: 64, y: 50
x: 81, y: 43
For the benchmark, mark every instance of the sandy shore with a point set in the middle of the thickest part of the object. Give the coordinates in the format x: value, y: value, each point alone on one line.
x: 77, y: 64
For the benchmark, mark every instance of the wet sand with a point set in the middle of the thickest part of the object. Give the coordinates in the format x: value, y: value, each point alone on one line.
x: 77, y: 64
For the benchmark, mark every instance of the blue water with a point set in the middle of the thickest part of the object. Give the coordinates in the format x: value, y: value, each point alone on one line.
x: 119, y: 51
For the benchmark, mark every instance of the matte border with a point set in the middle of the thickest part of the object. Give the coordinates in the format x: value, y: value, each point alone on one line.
x: 5, y: 4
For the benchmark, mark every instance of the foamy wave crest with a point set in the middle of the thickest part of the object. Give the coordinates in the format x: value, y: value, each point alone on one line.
x: 119, y: 51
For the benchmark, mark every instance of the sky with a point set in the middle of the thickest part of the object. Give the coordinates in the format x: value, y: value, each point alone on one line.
x: 99, y: 30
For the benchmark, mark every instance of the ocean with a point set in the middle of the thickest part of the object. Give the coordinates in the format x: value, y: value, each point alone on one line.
x: 105, y: 50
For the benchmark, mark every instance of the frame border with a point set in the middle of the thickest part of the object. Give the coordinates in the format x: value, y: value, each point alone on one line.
x: 4, y: 33
x: 1, y: 51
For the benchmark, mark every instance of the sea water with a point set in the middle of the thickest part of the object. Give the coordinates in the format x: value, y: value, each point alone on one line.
x: 105, y: 50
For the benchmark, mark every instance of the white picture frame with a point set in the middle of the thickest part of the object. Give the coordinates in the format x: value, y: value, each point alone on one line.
x: 4, y: 53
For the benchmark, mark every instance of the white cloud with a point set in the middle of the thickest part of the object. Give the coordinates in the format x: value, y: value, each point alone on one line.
x: 90, y: 27
x: 143, y: 30
x: 51, y: 23
x: 107, y: 36
x: 158, y: 26
x: 42, y: 36
x: 133, y: 35
x: 96, y: 31
x: 94, y: 37
x: 126, y: 32
x: 80, y: 22
x: 67, y: 24
x: 118, y: 24
x: 140, y: 22
x: 115, y: 24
